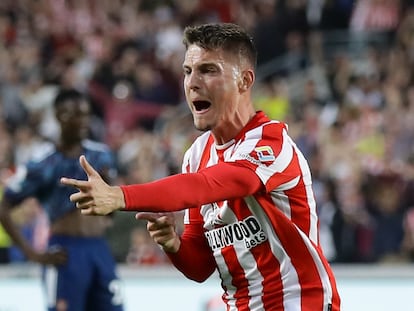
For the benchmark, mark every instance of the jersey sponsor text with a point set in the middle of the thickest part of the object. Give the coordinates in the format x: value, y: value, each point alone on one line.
x: 249, y: 231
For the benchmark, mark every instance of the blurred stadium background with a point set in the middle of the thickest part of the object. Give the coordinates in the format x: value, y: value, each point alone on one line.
x: 339, y: 72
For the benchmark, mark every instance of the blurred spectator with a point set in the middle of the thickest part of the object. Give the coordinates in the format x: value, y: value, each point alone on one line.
x: 408, y: 241
x: 335, y: 13
x: 376, y: 15
x: 38, y: 98
x: 408, y: 206
x: 408, y: 173
x: 5, y: 245
x: 13, y: 110
x: 383, y: 193
x: 268, y: 31
x: 143, y: 157
x: 5, y: 242
x: 272, y: 96
x: 328, y: 209
x: 121, y: 112
x: 6, y: 168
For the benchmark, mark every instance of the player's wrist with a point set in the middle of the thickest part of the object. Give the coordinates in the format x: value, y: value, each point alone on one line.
x: 119, y: 199
x: 172, y: 246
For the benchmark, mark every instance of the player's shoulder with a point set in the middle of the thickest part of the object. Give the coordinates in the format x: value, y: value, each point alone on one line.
x: 43, y: 151
x: 268, y: 129
x: 99, y: 153
x: 95, y: 146
x: 199, y: 145
x: 202, y: 138
x: 41, y: 160
x: 201, y: 142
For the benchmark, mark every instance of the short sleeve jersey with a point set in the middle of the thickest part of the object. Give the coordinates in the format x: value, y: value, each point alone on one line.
x: 265, y: 245
x: 40, y: 177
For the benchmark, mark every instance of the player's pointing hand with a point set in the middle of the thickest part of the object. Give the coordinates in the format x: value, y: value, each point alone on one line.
x: 161, y: 227
x: 95, y: 196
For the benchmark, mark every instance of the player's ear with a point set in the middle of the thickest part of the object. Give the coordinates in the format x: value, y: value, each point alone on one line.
x: 246, y: 80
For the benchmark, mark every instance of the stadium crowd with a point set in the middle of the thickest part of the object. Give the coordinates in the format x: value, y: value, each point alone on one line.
x: 339, y: 73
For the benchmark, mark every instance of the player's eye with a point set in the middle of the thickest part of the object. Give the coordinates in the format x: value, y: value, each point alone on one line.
x: 186, y: 71
x: 209, y: 69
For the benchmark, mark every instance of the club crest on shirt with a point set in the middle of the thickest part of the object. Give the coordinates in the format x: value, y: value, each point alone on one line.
x: 247, y: 231
x: 265, y: 153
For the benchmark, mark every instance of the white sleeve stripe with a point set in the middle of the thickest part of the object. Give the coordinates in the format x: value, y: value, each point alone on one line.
x: 281, y: 200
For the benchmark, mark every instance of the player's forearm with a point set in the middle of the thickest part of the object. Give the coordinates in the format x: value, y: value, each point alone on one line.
x: 183, y: 191
x: 169, y: 194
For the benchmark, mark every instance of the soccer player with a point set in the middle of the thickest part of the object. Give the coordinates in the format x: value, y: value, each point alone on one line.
x: 245, y: 186
x: 79, y: 270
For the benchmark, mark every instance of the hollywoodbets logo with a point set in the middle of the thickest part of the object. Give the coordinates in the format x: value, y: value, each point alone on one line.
x: 247, y: 231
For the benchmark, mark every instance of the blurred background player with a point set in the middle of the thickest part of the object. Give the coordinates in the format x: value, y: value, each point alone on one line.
x: 79, y: 272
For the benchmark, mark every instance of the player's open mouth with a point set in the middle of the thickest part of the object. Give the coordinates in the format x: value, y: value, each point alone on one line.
x: 201, y: 105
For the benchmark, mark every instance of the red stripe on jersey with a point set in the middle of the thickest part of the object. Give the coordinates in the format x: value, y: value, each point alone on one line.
x: 308, y: 276
x: 336, y: 300
x: 241, y: 208
x: 298, y: 198
x: 269, y: 267
x: 238, y: 279
x: 299, y: 212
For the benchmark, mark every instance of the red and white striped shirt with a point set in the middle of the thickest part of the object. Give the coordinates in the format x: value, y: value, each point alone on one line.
x: 265, y: 244
x: 251, y: 215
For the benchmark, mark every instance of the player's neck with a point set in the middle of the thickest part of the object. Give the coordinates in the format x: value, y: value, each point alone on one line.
x: 71, y: 149
x: 230, y: 129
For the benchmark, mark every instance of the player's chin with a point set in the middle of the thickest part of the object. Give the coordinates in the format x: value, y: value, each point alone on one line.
x: 202, y: 127
x: 202, y: 124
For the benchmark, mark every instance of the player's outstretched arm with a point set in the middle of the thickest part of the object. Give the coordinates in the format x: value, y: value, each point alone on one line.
x: 95, y: 196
